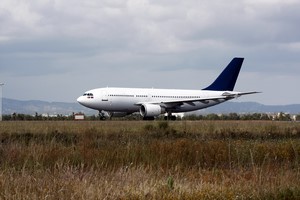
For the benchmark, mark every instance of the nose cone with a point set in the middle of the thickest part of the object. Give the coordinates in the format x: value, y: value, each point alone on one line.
x: 81, y: 100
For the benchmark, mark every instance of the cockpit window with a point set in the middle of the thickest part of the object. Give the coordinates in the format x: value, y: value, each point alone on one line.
x: 89, y: 95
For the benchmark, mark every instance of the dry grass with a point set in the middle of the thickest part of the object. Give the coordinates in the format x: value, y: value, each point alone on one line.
x: 149, y: 160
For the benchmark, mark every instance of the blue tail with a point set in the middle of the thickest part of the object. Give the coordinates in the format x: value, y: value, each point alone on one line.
x: 226, y: 80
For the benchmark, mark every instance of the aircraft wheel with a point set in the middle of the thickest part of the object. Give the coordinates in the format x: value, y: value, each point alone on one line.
x: 173, y: 117
x: 102, y: 118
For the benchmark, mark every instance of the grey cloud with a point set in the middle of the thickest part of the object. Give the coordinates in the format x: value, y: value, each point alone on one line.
x: 121, y: 42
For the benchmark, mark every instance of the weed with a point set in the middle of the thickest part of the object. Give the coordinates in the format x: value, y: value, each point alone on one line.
x: 163, y: 125
x: 149, y: 127
x: 170, y: 183
x: 123, y: 160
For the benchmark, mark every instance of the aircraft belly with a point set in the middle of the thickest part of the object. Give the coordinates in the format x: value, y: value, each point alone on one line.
x: 124, y: 106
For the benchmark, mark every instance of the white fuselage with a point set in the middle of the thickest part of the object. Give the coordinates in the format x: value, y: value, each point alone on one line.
x: 129, y: 99
x: 154, y: 102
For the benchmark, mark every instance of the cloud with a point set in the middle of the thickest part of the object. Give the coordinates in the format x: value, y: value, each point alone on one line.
x: 154, y: 26
x: 119, y: 41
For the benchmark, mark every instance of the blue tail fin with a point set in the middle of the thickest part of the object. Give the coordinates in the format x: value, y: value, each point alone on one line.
x: 226, y: 80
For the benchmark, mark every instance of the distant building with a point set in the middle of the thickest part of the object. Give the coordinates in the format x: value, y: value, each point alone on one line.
x: 48, y: 115
x: 79, y: 116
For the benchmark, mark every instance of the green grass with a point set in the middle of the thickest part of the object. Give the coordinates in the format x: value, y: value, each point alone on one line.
x: 149, y: 160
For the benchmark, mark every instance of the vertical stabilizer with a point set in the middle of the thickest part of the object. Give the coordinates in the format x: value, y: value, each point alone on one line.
x: 226, y: 80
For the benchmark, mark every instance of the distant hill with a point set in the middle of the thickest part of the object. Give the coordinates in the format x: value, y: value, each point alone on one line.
x: 252, y: 107
x: 43, y: 107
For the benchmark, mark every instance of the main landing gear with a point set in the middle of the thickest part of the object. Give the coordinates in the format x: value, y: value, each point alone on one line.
x: 170, y: 117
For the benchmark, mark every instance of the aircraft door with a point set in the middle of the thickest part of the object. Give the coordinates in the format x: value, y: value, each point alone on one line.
x: 149, y: 97
x: 105, y: 98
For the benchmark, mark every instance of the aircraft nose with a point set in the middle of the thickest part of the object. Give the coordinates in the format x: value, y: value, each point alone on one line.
x: 81, y: 100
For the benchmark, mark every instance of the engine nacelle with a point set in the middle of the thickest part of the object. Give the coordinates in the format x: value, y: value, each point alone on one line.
x: 151, y: 110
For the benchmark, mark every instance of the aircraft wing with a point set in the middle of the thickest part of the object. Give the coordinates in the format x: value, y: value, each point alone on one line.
x: 237, y: 94
x: 224, y: 96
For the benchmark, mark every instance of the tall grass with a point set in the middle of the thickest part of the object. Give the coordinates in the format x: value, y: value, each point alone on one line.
x: 149, y: 160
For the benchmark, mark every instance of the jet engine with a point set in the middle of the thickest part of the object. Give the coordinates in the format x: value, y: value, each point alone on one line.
x: 151, y: 110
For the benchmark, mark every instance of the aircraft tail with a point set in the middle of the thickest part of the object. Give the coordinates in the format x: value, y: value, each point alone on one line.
x: 226, y: 80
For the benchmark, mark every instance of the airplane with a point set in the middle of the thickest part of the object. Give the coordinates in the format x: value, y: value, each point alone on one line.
x: 150, y: 102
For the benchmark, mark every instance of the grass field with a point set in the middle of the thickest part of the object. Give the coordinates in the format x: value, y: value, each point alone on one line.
x: 149, y: 160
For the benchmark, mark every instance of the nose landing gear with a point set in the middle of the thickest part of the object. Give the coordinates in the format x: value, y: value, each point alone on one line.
x: 103, y: 115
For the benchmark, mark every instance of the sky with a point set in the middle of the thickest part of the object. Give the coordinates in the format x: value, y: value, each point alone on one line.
x: 55, y: 50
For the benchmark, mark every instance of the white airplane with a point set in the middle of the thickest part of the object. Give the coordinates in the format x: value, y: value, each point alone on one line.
x: 151, y: 103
